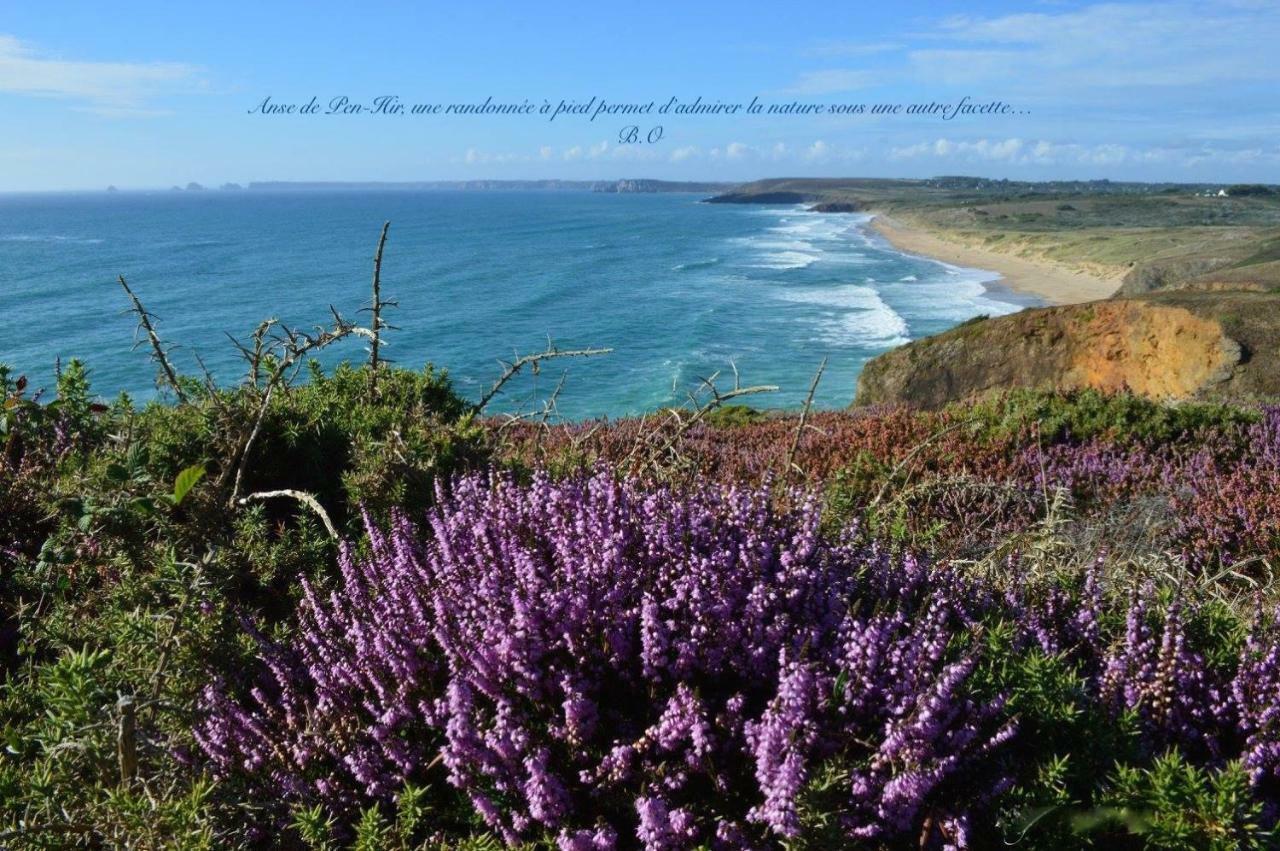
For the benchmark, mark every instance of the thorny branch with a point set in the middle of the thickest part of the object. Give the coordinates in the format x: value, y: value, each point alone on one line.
x: 375, y: 341
x: 804, y: 420
x: 157, y: 347
x: 512, y: 368
x: 656, y: 451
x: 281, y: 354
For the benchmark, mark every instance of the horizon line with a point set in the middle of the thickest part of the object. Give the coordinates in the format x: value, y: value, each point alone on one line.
x: 263, y: 185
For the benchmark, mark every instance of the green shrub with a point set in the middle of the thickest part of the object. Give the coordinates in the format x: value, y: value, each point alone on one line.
x: 1181, y: 807
x: 728, y: 416
x: 1086, y: 414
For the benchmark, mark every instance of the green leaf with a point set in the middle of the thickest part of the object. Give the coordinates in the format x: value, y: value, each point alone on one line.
x: 145, y: 504
x: 186, y: 481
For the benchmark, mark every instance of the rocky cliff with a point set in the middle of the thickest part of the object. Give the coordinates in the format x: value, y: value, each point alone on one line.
x: 1173, y: 345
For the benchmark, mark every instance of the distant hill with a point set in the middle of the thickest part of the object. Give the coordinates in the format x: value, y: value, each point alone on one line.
x: 625, y: 186
x: 1157, y: 236
x: 943, y: 189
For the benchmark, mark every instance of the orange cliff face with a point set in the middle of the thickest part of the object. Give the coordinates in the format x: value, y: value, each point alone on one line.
x: 1152, y: 350
x: 1183, y: 346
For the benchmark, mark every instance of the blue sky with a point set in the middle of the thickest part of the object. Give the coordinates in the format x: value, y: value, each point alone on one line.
x: 149, y: 94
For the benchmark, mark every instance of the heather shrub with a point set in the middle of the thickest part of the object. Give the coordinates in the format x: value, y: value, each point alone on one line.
x: 593, y: 659
x: 963, y: 481
x: 603, y: 663
x: 1225, y: 505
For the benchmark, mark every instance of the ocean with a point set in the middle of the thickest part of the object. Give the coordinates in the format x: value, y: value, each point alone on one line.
x: 680, y: 290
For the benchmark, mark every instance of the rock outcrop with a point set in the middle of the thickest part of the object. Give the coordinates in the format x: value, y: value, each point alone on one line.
x: 761, y: 198
x: 1171, y: 346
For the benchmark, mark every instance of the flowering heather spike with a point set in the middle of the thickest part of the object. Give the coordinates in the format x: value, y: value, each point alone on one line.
x: 606, y: 663
x: 780, y: 742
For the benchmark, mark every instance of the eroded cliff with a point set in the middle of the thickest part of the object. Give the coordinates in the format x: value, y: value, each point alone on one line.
x: 1177, y: 345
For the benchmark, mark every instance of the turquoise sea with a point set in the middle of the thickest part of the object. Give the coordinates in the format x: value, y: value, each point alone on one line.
x: 679, y: 289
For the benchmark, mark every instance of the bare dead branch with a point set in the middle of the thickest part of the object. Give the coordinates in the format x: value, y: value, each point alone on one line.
x: 911, y: 456
x: 127, y: 740
x: 377, y: 325
x: 157, y: 347
x: 804, y: 419
x: 301, y: 496
x: 533, y: 361
x: 282, y: 354
x: 243, y: 452
x: 549, y: 406
x: 717, y: 400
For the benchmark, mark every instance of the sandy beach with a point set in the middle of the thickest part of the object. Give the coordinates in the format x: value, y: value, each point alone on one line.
x: 1054, y: 283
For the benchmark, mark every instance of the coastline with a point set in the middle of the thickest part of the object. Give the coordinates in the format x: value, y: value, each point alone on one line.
x: 1051, y: 283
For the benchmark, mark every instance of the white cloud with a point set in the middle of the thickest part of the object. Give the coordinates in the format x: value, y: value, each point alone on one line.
x: 115, y: 88
x: 687, y: 152
x: 988, y: 150
x: 1151, y: 73
x: 851, y: 48
x: 831, y: 81
x: 1108, y: 46
x: 738, y: 151
x: 546, y: 152
x: 475, y: 156
x: 818, y: 151
x: 1014, y: 151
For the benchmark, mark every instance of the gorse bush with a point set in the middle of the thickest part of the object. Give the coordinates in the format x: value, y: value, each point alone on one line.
x: 1085, y: 415
x: 328, y: 436
x: 601, y: 663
